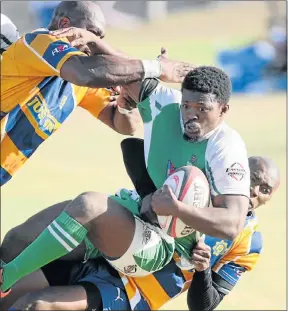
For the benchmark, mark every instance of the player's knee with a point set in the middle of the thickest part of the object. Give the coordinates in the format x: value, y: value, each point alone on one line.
x: 87, y: 207
x: 12, y: 241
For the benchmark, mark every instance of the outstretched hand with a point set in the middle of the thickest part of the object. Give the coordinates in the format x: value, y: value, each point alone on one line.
x: 173, y: 71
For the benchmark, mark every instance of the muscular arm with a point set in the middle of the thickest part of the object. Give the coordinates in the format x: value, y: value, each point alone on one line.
x: 225, y: 220
x: 102, y: 71
x: 125, y: 124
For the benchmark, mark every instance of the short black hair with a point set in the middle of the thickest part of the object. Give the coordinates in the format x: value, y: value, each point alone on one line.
x: 209, y: 80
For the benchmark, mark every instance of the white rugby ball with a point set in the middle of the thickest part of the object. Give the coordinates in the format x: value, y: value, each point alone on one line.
x: 190, y: 186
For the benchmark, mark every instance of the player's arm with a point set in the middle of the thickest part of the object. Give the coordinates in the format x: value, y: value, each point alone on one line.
x: 228, y: 173
x: 203, y: 294
x: 125, y: 124
x: 225, y: 220
x: 98, y: 103
x: 44, y: 55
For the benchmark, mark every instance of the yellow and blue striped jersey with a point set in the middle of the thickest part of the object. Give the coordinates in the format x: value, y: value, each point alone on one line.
x: 228, y: 259
x: 35, y: 100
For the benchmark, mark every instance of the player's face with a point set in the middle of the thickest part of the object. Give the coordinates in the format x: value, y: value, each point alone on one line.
x: 264, y: 182
x: 200, y: 113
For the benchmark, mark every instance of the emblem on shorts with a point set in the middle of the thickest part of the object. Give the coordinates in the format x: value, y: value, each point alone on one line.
x: 130, y: 269
x: 220, y: 248
x: 146, y: 235
x: 236, y: 171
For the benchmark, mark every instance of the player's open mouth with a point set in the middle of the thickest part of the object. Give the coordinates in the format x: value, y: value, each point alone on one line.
x: 192, y: 130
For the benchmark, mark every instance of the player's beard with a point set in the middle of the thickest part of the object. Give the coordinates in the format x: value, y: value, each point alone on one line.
x: 194, y: 139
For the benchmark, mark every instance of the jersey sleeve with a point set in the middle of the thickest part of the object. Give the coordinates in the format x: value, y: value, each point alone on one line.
x: 40, y: 54
x: 227, y: 165
x: 241, y: 257
x: 154, y: 97
x: 95, y: 100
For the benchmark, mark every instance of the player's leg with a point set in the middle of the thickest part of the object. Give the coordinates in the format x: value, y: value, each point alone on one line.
x: 105, y: 220
x: 134, y: 161
x: 33, y: 282
x: 56, y: 273
x: 88, y: 212
x: 18, y: 238
x: 54, y: 298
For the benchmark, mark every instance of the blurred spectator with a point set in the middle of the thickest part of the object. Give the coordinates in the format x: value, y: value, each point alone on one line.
x: 42, y: 12
x: 259, y: 67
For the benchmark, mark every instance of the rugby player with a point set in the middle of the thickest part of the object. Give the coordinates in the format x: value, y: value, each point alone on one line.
x: 196, y: 136
x: 44, y: 78
x: 219, y: 264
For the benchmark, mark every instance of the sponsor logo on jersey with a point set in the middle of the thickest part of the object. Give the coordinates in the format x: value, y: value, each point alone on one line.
x: 236, y: 171
x: 146, y: 235
x: 60, y: 49
x: 42, y: 115
x: 130, y: 269
x: 220, y: 248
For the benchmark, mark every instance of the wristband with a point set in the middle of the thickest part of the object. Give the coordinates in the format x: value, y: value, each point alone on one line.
x: 152, y: 68
x: 123, y: 110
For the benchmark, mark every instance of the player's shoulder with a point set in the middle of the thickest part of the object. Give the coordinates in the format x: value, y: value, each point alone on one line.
x: 32, y: 35
x: 166, y: 95
x: 250, y: 239
x: 227, y: 139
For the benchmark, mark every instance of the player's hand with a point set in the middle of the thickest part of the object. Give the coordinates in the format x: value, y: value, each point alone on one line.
x: 164, y: 202
x: 201, y: 256
x: 115, y: 92
x: 125, y: 101
x: 173, y: 71
x: 76, y: 36
x: 146, y: 210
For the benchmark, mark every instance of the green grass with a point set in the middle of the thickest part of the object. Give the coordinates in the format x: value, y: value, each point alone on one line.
x: 85, y: 155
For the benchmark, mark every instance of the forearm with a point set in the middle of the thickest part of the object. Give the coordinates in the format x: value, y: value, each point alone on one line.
x: 107, y: 71
x: 220, y: 222
x: 202, y: 296
x: 127, y: 124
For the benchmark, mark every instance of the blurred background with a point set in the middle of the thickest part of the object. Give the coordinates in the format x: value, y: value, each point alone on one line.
x: 254, y: 55
x: 248, y: 40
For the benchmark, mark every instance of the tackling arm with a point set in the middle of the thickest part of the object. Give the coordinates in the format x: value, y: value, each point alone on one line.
x: 103, y: 71
x: 203, y: 294
x: 125, y: 124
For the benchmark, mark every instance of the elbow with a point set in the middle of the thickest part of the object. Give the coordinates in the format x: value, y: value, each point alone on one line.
x: 127, y: 131
x: 234, y: 229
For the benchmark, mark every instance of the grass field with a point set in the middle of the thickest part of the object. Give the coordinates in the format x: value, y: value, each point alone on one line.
x: 84, y: 155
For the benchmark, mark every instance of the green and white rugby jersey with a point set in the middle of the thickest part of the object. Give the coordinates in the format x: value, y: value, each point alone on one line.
x: 221, y: 155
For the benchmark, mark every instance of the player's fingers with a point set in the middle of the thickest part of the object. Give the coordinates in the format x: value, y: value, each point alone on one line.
x: 112, y: 98
x: 198, y: 258
x: 164, y: 52
x: 166, y: 188
x: 202, y: 254
x: 77, y: 42
x: 66, y: 32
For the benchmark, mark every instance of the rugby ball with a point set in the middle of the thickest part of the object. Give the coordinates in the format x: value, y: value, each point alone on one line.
x: 191, y: 187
